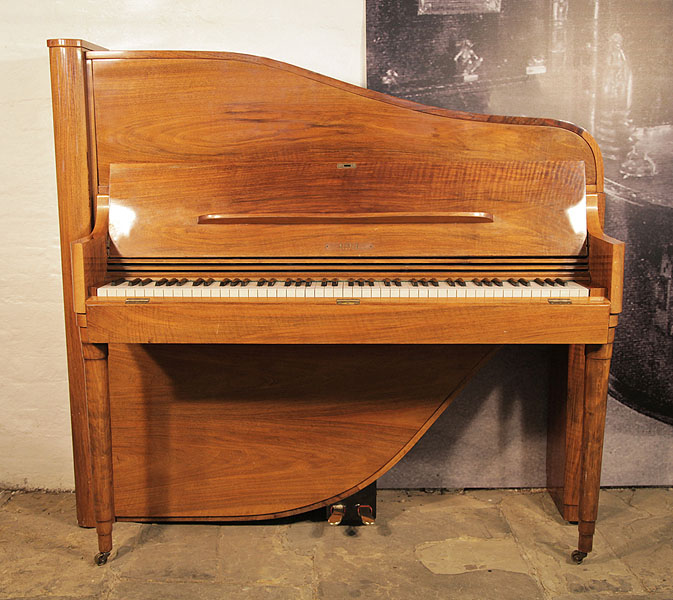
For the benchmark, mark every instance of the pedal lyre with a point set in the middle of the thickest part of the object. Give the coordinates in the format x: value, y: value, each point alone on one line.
x: 337, y: 512
x: 365, y: 513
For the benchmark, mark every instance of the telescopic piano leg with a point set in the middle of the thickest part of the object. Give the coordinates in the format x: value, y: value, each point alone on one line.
x: 98, y: 407
x: 597, y: 369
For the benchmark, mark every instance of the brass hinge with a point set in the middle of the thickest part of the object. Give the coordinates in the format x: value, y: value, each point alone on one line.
x: 559, y: 301
x: 348, y: 301
x: 136, y: 301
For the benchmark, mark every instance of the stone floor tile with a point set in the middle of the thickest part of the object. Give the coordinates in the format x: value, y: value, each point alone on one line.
x: 175, y: 552
x: 612, y: 596
x: 455, y: 556
x: 126, y: 590
x: 481, y: 544
x: 495, y: 585
x: 42, y: 551
x: 256, y: 555
x: 646, y: 547
x: 654, y: 501
x: 4, y: 497
x: 547, y: 544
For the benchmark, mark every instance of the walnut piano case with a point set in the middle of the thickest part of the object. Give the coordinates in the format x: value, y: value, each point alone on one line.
x: 205, y: 168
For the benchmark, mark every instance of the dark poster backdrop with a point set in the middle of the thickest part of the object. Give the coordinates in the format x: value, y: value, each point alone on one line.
x: 605, y: 65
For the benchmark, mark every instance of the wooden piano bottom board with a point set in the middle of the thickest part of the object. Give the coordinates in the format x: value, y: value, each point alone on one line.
x: 252, y: 432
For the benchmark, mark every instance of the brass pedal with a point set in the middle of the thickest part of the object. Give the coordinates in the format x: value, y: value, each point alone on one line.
x: 336, y: 514
x: 365, y: 513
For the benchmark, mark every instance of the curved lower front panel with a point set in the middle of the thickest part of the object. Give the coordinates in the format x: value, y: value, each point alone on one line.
x: 253, y: 432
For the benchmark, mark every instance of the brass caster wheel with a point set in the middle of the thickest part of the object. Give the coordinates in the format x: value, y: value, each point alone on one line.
x: 578, y: 556
x: 101, y: 558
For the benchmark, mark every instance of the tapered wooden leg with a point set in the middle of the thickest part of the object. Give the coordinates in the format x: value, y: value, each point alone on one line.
x: 98, y: 407
x: 597, y: 369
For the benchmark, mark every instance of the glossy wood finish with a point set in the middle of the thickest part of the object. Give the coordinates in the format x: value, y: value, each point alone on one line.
x: 537, y: 207
x: 175, y: 136
x: 96, y: 376
x: 321, y: 321
x: 71, y: 135
x: 150, y: 119
x: 89, y: 257
x: 595, y: 402
x: 606, y: 257
x: 371, y: 218
x: 187, y: 424
x: 564, y: 433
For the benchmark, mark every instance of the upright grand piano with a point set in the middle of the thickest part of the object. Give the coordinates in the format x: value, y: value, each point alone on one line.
x: 275, y: 282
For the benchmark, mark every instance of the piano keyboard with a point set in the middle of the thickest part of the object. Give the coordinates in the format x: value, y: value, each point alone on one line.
x: 343, y: 288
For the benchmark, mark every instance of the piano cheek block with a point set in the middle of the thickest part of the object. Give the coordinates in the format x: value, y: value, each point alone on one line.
x: 248, y: 250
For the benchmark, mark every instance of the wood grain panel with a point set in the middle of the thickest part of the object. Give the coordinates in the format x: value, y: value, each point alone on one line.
x: 255, y: 431
x: 537, y: 208
x: 212, y: 321
x: 192, y: 107
x: 69, y: 86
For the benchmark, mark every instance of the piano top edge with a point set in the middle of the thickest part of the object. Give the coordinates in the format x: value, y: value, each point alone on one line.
x: 96, y: 54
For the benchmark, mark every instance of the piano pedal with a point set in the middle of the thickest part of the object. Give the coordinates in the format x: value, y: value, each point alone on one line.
x: 358, y: 509
x: 337, y: 512
x: 365, y: 513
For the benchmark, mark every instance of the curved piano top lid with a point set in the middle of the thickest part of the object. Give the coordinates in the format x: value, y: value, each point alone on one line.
x: 189, y: 106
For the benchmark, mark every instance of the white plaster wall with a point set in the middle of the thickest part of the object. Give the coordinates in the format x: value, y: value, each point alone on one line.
x: 321, y: 35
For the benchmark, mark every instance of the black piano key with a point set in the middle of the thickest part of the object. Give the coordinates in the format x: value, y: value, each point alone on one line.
x: 539, y: 281
x: 272, y: 282
x: 386, y: 282
x: 487, y: 282
x: 183, y: 281
x: 424, y: 282
x: 397, y: 282
x: 288, y: 282
x: 162, y: 281
x: 309, y: 281
x: 235, y: 282
x: 549, y: 281
x: 118, y: 281
x: 351, y: 282
x: 451, y: 282
x: 225, y: 281
x: 209, y: 281
x: 513, y: 282
x: 324, y: 283
x: 477, y: 281
x: 146, y: 281
x: 414, y: 282
x: 497, y: 281
x: 245, y: 282
x: 261, y: 282
x: 199, y: 281
x: 460, y: 282
x: 523, y: 281
x: 335, y: 282
x: 370, y: 282
x: 171, y: 281
x: 434, y: 282
x: 298, y: 283
x: 135, y: 281
x: 361, y: 282
x: 560, y: 282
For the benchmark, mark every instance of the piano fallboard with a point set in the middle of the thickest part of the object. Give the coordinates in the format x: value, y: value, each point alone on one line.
x: 364, y: 321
